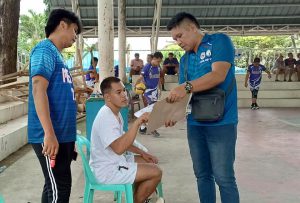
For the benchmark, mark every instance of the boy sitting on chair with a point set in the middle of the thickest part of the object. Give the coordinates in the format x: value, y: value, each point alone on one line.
x: 109, y: 144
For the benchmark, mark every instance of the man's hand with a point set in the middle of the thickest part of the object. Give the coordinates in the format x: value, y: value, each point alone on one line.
x: 149, y: 158
x: 176, y: 94
x: 170, y: 123
x: 246, y: 84
x: 51, y: 145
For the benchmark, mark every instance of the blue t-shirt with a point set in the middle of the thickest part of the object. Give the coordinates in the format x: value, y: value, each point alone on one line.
x: 87, y: 76
x: 151, y: 76
x: 255, y: 75
x: 171, y: 69
x: 47, y: 61
x: 213, y: 48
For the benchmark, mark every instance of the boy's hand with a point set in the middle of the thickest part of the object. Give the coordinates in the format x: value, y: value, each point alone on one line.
x: 269, y: 76
x: 149, y: 158
x: 246, y: 84
x: 51, y: 145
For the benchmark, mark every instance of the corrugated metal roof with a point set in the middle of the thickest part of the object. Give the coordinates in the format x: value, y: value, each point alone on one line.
x: 211, y: 14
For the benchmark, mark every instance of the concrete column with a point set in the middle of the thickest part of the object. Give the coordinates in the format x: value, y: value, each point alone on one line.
x: 294, y: 46
x: 77, y: 50
x: 122, y: 39
x: 105, y: 38
x: 159, y: 3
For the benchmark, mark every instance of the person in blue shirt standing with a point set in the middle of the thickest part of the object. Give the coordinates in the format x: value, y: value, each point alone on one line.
x: 254, y: 74
x: 212, y: 143
x: 52, y: 107
x: 150, y: 75
x: 92, y: 77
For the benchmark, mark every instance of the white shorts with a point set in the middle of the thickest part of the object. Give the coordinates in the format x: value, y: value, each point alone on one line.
x: 123, y: 173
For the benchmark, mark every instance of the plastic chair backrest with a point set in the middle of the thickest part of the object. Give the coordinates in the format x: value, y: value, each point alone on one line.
x: 81, y: 143
x: 1, y: 199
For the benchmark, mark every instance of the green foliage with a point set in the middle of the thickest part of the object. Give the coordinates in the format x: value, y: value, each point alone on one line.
x: 175, y: 49
x: 48, y: 4
x: 267, y: 48
x: 31, y: 30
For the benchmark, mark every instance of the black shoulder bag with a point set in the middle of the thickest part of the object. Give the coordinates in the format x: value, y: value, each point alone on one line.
x: 208, y: 105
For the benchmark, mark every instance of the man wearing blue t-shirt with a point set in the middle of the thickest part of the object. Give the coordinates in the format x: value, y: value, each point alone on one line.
x: 212, y: 143
x: 254, y: 74
x: 52, y: 107
x: 150, y: 75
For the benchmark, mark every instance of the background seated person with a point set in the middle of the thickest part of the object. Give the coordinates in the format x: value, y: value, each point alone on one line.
x: 279, y: 68
x: 109, y: 144
x: 290, y: 63
x: 298, y: 66
x: 116, y: 70
x: 92, y: 77
x: 170, y: 65
x: 136, y: 65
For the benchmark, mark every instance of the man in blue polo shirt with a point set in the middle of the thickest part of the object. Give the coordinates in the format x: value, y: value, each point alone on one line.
x: 212, y: 144
x: 52, y: 107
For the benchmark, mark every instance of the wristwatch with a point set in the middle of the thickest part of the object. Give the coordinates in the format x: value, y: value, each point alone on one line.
x: 188, y: 87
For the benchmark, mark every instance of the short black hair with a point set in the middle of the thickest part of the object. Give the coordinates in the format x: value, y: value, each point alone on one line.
x: 94, y: 59
x: 58, y: 15
x: 105, y: 85
x: 136, y: 54
x: 179, y: 17
x: 256, y: 60
x: 151, y: 55
x: 171, y: 54
x: 158, y: 54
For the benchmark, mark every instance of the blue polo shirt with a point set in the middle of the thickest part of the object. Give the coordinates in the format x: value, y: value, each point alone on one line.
x: 213, y: 48
x: 47, y: 61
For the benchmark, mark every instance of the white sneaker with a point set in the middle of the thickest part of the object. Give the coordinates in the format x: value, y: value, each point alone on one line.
x: 160, y: 200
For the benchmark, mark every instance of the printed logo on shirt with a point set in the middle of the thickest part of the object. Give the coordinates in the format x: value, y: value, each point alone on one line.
x: 67, y: 78
x: 208, y: 53
x: 202, y: 55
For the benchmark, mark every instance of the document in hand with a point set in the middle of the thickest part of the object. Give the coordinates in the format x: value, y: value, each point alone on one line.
x: 164, y: 111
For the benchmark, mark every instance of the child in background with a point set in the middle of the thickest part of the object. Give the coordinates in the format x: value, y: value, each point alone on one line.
x: 150, y: 76
x: 254, y: 74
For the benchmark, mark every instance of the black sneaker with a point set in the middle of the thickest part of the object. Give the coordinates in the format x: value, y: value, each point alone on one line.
x: 256, y: 106
x: 143, y: 131
x: 252, y: 106
x: 155, y: 133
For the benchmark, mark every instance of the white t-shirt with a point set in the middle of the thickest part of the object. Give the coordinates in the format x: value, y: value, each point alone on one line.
x: 106, y: 129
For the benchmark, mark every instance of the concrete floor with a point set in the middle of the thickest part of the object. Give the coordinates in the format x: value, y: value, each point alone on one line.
x: 267, y: 163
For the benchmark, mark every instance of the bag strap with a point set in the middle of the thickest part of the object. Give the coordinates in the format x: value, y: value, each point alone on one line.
x: 229, y: 88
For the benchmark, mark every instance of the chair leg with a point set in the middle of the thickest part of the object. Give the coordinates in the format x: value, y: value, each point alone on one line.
x: 91, y: 196
x: 115, y: 195
x: 86, y: 194
x: 119, y: 197
x: 128, y: 193
x: 139, y: 106
x: 160, y: 190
